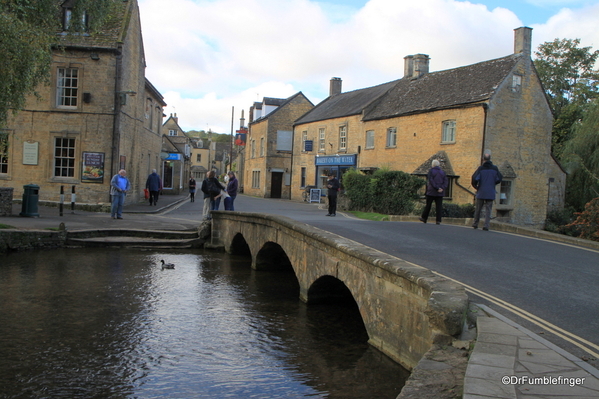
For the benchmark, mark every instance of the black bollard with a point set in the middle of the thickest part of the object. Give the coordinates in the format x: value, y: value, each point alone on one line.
x: 61, y: 199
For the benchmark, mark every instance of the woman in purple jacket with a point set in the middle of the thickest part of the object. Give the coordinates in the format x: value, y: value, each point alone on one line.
x: 436, y: 184
x: 232, y: 187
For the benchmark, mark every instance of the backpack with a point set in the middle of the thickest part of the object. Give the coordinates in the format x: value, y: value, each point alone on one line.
x: 212, y: 187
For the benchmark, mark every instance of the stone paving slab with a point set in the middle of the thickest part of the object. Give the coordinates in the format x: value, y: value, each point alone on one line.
x: 509, y: 361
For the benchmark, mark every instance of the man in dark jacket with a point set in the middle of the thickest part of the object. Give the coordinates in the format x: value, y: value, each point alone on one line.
x: 333, y: 190
x: 154, y: 185
x: 484, y: 180
x: 436, y: 184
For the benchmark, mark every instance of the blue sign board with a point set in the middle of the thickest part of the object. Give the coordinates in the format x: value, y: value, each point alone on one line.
x: 349, y: 160
x: 308, y: 145
x: 173, y: 157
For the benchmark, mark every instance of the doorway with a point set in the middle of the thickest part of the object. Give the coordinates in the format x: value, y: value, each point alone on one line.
x: 276, y: 187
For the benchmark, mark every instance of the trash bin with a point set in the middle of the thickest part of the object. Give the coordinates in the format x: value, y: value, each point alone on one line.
x: 30, y: 199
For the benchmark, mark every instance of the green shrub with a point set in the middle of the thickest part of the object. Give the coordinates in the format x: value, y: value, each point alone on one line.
x: 450, y: 210
x: 587, y: 221
x: 386, y: 192
x: 559, y: 222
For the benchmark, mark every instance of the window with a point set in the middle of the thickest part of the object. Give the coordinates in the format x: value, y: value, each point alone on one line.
x: 256, y: 179
x: 448, y: 135
x: 3, y: 153
x: 369, y: 139
x: 343, y: 138
x: 252, y: 148
x: 198, y: 158
x: 303, y: 177
x: 505, y: 192
x: 64, y: 157
x: 321, y: 139
x: 262, y: 146
x: 516, y: 83
x: 172, y: 132
x: 304, y: 139
x: 68, y: 17
x: 392, y: 137
x: 67, y: 87
x: 284, y: 140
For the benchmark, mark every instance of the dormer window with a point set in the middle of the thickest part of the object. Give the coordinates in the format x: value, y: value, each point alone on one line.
x: 67, y: 17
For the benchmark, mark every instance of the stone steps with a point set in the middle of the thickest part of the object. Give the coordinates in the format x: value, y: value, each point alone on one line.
x: 133, y: 238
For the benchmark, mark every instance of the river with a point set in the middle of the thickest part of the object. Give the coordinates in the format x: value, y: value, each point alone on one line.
x: 110, y: 323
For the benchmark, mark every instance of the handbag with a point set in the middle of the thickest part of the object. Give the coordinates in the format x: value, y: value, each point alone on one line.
x: 224, y: 194
x: 146, y: 193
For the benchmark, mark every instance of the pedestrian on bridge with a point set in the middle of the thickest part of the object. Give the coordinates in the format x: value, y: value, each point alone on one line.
x: 484, y: 180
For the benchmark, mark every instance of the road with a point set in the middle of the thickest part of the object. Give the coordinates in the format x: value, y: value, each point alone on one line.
x: 522, y: 278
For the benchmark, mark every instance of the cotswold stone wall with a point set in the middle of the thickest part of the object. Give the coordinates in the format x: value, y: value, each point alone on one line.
x: 6, y: 201
x: 405, y: 308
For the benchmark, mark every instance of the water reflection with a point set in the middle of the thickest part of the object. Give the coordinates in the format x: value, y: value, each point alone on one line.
x: 112, y: 324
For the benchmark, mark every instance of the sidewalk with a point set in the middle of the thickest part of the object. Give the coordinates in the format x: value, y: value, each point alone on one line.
x: 135, y: 216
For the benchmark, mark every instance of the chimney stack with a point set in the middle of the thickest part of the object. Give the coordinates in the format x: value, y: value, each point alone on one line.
x: 415, y: 66
x: 408, y: 69
x: 335, y: 87
x: 175, y: 118
x: 523, y: 40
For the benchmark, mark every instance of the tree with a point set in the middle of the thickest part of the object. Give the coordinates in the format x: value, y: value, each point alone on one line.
x: 28, y: 31
x: 581, y: 158
x: 570, y: 82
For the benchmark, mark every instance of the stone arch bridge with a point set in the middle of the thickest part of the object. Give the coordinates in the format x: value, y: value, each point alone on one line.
x: 405, y: 308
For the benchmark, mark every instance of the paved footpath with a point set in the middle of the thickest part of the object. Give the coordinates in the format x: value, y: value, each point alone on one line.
x: 508, y: 361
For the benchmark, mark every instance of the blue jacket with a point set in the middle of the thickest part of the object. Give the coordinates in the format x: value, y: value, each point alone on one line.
x: 436, y: 179
x: 153, y: 183
x: 484, y: 180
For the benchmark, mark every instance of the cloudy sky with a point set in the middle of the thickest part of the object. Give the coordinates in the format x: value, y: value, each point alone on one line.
x: 208, y: 56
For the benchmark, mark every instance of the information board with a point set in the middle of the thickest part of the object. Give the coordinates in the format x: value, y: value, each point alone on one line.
x: 315, y: 195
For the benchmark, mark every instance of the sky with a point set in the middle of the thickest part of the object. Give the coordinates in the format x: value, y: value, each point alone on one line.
x: 211, y: 59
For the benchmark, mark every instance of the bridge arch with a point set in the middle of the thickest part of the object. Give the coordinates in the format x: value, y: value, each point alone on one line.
x: 405, y: 308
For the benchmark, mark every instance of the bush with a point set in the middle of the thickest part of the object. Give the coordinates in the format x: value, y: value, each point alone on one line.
x: 559, y: 222
x: 449, y: 210
x: 386, y: 192
x: 587, y: 221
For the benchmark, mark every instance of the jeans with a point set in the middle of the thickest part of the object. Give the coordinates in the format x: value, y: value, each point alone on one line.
x: 116, y: 209
x: 214, y: 204
x: 229, y: 203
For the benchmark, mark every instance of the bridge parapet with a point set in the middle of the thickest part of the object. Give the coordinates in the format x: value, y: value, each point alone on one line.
x: 405, y: 308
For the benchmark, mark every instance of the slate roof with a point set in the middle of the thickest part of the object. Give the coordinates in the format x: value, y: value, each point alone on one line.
x: 436, y: 90
x: 443, y: 159
x: 279, y: 102
x: 444, y: 89
x: 345, y: 104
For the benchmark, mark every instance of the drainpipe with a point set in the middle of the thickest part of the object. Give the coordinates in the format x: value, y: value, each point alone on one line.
x: 116, y: 128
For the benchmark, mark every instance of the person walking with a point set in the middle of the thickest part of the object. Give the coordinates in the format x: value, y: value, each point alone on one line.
x: 484, y: 180
x: 211, y: 188
x: 436, y: 184
x: 333, y: 190
x: 154, y: 185
x: 192, y: 189
x: 232, y: 187
x: 119, y: 186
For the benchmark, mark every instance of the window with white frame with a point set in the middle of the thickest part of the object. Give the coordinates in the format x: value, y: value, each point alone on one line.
x: 321, y: 139
x: 343, y: 138
x: 64, y: 157
x: 369, y: 139
x: 303, y: 177
x: 3, y: 152
x: 392, y: 137
x: 67, y: 87
x: 505, y: 192
x: 516, y: 83
x: 304, y: 139
x: 172, y: 132
x: 256, y: 179
x: 448, y: 134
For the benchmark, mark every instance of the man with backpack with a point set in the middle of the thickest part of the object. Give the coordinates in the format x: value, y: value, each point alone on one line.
x: 484, y: 180
x: 211, y: 188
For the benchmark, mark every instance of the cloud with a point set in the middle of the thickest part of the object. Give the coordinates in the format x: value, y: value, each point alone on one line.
x: 222, y: 53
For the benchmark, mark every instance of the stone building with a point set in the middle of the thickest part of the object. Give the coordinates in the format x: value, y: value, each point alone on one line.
x: 451, y: 115
x: 176, y: 157
x: 98, y: 114
x: 269, y: 145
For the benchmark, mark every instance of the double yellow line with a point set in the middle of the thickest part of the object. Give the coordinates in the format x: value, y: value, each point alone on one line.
x: 587, y: 346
